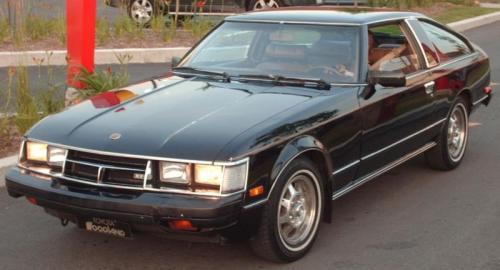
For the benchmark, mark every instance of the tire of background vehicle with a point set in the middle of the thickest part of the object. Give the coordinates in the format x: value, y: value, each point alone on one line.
x: 452, y: 140
x: 274, y: 240
x: 263, y: 4
x: 146, y: 9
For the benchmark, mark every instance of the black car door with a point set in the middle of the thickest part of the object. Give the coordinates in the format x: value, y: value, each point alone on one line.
x: 396, y: 120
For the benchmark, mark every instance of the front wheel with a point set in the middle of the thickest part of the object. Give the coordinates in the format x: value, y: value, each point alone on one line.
x: 452, y: 141
x: 290, y: 219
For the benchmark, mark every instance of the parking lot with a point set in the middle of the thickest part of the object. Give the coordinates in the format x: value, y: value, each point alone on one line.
x: 409, y: 218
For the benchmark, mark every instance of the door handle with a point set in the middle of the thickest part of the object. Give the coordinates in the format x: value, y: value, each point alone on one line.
x: 430, y: 87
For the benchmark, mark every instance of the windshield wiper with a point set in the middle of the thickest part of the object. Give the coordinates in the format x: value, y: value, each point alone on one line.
x: 282, y: 80
x: 201, y: 73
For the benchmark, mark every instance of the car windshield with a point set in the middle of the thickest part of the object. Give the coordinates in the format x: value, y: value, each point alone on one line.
x: 324, y: 52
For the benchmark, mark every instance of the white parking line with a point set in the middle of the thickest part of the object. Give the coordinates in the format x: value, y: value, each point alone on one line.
x: 474, y: 124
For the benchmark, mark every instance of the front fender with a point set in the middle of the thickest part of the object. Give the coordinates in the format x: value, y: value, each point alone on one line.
x: 306, y: 145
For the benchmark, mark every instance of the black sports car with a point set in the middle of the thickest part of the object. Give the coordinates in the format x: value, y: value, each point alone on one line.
x: 259, y: 128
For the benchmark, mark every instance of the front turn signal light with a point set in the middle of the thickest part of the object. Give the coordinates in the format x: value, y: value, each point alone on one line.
x: 256, y: 191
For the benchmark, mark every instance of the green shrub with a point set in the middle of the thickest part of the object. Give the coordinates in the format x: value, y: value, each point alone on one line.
x: 165, y: 27
x: 198, y: 25
x: 124, y: 27
x: 4, y: 29
x: 100, y: 81
x: 103, y: 30
x: 27, y: 110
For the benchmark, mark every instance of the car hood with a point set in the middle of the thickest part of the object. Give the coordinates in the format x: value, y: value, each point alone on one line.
x: 179, y: 118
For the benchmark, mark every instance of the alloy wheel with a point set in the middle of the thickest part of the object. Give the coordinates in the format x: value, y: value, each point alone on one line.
x: 457, y: 132
x: 265, y: 4
x: 298, y: 213
x: 141, y: 11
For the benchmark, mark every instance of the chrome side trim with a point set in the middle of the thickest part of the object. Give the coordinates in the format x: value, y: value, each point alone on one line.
x: 289, y: 22
x: 407, y: 21
x: 346, y: 167
x: 480, y: 100
x: 402, y: 140
x: 99, y: 152
x: 382, y: 170
x: 349, y: 84
x: 254, y: 204
x: 396, y: 19
x: 442, y: 65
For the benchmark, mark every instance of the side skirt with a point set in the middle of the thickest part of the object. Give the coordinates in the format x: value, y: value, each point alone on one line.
x: 360, y: 181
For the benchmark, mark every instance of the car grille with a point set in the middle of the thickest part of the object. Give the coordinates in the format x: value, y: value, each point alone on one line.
x: 105, y: 169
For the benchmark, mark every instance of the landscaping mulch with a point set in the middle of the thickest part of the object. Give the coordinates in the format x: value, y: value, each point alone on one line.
x: 9, y: 145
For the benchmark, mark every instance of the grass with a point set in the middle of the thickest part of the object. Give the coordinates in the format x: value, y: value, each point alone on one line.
x: 463, y: 12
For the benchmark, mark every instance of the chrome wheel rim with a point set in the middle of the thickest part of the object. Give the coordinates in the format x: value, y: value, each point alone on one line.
x: 141, y: 11
x: 265, y: 4
x: 457, y: 132
x: 299, y: 208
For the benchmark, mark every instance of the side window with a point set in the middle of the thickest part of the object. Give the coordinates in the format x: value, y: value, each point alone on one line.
x: 391, y: 50
x: 446, y: 44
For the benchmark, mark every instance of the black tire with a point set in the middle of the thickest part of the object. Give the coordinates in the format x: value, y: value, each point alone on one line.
x: 441, y: 157
x: 268, y: 242
x: 254, y: 5
x: 156, y: 10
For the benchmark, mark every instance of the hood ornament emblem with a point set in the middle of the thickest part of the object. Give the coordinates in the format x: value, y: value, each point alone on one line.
x: 115, y: 136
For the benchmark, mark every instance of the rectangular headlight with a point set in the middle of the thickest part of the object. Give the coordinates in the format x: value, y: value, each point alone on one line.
x: 56, y: 156
x: 175, y: 173
x: 36, y: 151
x: 208, y: 175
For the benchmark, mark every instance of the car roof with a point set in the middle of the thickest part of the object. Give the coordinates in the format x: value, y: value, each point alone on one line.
x: 324, y: 15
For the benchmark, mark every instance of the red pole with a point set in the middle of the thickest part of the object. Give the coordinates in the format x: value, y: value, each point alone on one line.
x: 80, y: 18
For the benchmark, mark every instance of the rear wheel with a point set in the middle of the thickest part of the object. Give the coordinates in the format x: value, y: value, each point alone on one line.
x: 452, y: 141
x: 142, y: 12
x: 290, y: 219
x: 264, y: 4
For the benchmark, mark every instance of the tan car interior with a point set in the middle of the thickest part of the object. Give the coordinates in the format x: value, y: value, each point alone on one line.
x: 392, y: 57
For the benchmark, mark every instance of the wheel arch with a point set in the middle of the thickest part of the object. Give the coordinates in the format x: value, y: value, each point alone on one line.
x: 467, y: 94
x: 313, y: 149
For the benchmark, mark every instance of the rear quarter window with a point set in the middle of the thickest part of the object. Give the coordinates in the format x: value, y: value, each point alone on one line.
x: 447, y: 45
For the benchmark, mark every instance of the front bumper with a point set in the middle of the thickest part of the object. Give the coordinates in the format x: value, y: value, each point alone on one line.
x: 139, y: 209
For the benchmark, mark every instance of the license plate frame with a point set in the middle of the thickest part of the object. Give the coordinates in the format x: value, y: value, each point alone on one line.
x: 106, y: 226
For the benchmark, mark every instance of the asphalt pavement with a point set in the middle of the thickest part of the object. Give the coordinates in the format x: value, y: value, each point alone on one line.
x: 409, y: 218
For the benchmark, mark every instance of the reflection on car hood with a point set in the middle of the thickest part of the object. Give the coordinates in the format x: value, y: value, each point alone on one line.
x: 183, y: 119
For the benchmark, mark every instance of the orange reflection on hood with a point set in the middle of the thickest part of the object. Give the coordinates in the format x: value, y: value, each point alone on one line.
x: 110, y: 99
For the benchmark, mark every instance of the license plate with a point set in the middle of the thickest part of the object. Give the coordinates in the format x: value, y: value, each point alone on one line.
x: 107, y: 226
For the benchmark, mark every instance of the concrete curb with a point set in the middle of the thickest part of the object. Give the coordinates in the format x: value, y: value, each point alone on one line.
x: 8, y: 161
x: 4, y: 164
x: 102, y: 56
x: 475, y: 22
x: 164, y: 55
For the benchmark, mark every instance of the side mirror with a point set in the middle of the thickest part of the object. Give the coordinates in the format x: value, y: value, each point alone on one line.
x: 387, y: 78
x: 175, y: 61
